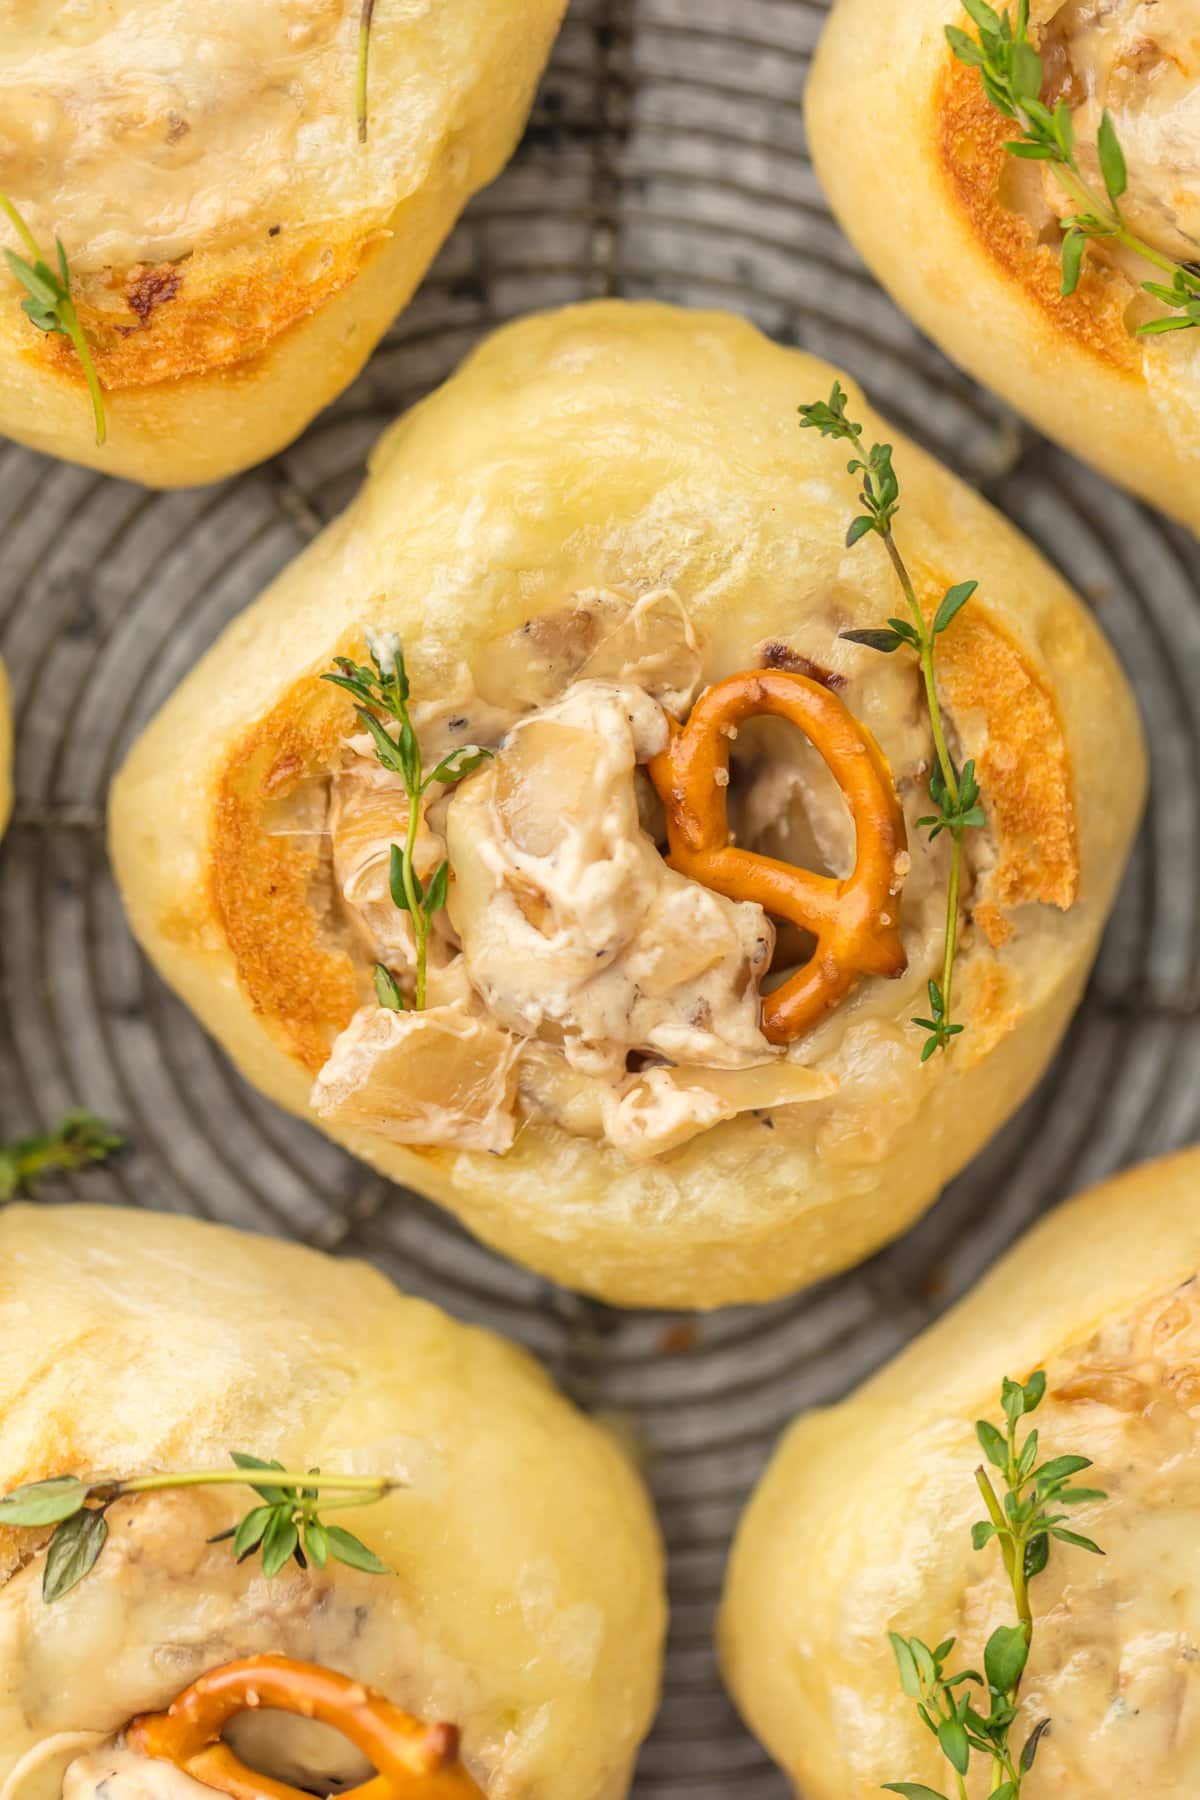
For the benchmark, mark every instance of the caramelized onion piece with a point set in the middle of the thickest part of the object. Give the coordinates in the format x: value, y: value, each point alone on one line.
x: 545, y: 775
x: 42, y: 1771
x: 367, y: 815
x: 443, y: 1076
x: 650, y: 643
x: 661, y: 1108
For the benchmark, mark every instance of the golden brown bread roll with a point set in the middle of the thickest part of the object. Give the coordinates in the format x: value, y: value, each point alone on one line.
x: 524, y: 1604
x: 235, y: 251
x: 967, y: 238
x: 606, y: 509
x: 862, y: 1524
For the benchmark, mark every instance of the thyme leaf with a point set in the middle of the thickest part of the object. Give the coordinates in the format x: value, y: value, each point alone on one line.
x: 48, y: 304
x: 387, y: 989
x: 1013, y: 76
x: 73, y: 1553
x: 80, y: 1140
x: 285, y: 1527
x: 384, y: 688
x: 1022, y: 1519
x: 954, y: 792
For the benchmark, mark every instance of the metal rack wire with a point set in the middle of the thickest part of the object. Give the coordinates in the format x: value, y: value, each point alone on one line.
x: 666, y: 158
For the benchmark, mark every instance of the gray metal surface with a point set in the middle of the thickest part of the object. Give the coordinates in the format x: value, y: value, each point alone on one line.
x: 667, y: 158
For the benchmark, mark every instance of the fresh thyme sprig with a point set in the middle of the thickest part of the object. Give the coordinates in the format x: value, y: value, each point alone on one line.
x: 366, y: 19
x: 1023, y: 1523
x: 954, y: 791
x: 49, y: 305
x: 384, y: 688
x: 80, y: 1140
x: 286, y: 1527
x: 1012, y: 74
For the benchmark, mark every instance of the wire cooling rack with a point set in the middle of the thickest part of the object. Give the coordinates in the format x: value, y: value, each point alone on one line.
x: 666, y: 158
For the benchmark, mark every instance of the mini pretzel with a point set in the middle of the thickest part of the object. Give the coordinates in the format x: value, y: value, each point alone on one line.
x: 414, y: 1761
x: 855, y: 921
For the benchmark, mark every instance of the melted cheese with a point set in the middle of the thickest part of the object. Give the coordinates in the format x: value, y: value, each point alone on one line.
x: 1116, y: 1659
x: 144, y: 130
x: 1141, y: 60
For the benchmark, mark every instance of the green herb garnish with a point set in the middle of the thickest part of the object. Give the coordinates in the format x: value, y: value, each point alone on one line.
x: 49, y: 305
x: 384, y: 688
x: 286, y: 1527
x: 80, y: 1140
x: 364, y: 56
x: 954, y: 791
x: 1023, y: 1523
x: 1012, y: 74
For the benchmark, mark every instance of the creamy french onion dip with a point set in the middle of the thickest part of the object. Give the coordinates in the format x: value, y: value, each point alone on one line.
x: 115, y: 1773
x: 1116, y: 1656
x: 1140, y: 59
x: 85, y: 1765
x: 574, y: 977
x: 143, y: 130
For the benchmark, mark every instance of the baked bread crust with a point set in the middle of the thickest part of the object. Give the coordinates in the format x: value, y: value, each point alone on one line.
x: 624, y: 446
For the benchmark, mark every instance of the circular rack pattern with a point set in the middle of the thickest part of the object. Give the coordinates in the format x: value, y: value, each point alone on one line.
x: 666, y: 158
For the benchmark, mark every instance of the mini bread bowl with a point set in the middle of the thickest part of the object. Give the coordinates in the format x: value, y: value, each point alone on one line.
x: 862, y: 1524
x: 519, y: 1613
x: 912, y: 156
x: 571, y: 539
x: 235, y: 250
